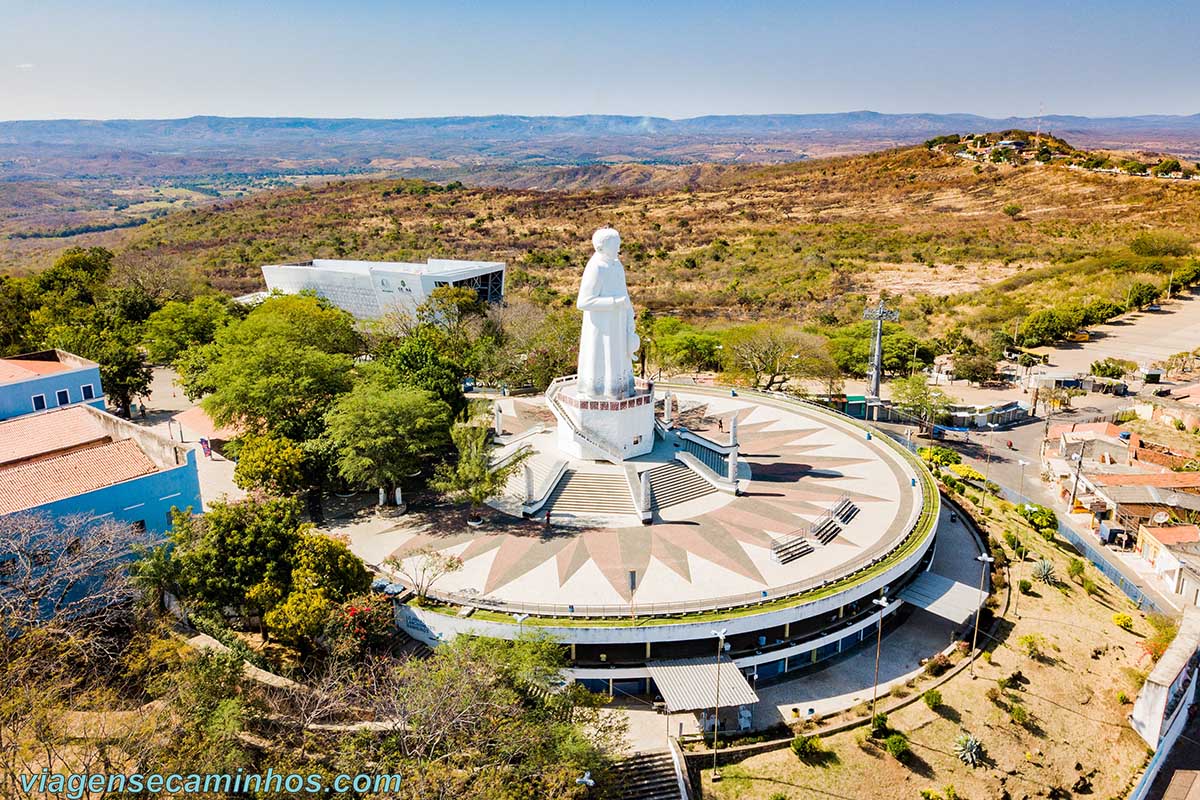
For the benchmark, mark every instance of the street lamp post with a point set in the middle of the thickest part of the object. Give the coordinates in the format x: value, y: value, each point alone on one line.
x: 985, y: 560
x: 1078, y: 458
x: 520, y: 618
x: 716, y: 774
x: 882, y: 602
x: 1021, y: 465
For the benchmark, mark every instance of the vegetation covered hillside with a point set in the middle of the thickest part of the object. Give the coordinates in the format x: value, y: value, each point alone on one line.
x: 981, y: 246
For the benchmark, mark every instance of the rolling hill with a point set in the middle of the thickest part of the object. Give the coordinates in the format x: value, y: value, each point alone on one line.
x: 804, y: 241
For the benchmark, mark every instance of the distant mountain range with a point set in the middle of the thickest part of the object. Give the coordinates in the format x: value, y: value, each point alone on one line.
x: 563, y: 140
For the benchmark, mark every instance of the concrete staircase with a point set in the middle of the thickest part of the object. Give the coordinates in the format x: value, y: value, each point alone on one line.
x: 672, y: 484
x: 646, y: 776
x: 585, y: 493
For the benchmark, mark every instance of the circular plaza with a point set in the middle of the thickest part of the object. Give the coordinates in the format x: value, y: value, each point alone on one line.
x: 772, y: 520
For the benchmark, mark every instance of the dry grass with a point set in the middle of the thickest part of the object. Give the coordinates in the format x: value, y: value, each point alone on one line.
x: 1077, y: 727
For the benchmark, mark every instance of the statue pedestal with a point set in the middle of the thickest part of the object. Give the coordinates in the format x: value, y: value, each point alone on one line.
x: 605, y: 430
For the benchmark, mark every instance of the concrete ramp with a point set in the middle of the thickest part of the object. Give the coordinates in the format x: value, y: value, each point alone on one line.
x: 947, y: 598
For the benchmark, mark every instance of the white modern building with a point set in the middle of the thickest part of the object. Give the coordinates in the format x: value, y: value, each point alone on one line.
x: 369, y: 289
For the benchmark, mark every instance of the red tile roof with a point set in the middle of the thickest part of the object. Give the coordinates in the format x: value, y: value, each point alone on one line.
x: 1175, y: 534
x: 15, y: 369
x: 36, y: 434
x: 28, y: 484
x: 1106, y: 428
x: 1162, y: 480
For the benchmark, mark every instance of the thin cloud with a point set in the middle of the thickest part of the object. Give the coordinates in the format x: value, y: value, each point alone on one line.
x: 25, y: 67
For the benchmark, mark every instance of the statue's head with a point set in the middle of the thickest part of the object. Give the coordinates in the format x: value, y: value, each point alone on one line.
x: 607, y: 242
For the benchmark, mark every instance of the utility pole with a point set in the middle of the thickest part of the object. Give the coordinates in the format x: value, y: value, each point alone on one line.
x: 1078, y: 469
x: 879, y: 313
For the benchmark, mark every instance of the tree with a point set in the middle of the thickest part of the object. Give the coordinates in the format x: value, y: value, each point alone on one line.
x: 300, y: 618
x: 77, y: 276
x: 423, y: 568
x: 977, y: 367
x: 915, y: 397
x: 1112, y: 368
x: 1142, y: 294
x: 771, y: 355
x: 279, y: 370
x: 229, y: 557
x: 1045, y: 326
x: 17, y: 300
x: 271, y: 464
x: 1166, y: 167
x: 419, y: 360
x: 382, y: 435
x: 325, y: 564
x: 65, y: 573
x: 178, y: 326
x: 473, y: 476
x: 111, y: 343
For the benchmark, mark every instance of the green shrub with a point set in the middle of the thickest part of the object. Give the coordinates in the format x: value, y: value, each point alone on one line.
x: 1090, y: 587
x: 942, y: 456
x: 1122, y: 698
x: 1018, y: 714
x: 879, y: 725
x: 937, y: 665
x: 1038, y: 517
x: 1075, y: 569
x: 966, y: 472
x: 1033, y: 644
x: 897, y: 745
x: 1160, y: 243
x: 1043, y: 571
x: 1026, y: 586
x: 1123, y: 621
x: 807, y: 748
x: 932, y: 698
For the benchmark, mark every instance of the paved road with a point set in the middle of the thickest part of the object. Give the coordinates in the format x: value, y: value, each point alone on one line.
x: 1142, y: 337
x: 988, y: 453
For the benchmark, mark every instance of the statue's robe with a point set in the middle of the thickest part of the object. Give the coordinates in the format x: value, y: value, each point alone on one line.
x: 608, y: 341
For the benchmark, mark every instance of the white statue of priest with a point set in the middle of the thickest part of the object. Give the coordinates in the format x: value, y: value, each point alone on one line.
x: 608, y: 340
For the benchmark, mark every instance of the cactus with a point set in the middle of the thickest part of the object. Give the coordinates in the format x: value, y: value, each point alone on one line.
x: 1044, y: 572
x: 969, y: 750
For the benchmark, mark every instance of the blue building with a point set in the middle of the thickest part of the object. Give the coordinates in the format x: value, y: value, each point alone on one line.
x: 79, y: 460
x: 50, y: 379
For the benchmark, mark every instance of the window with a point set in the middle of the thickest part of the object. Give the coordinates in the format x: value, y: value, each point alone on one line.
x: 39, y: 402
x: 63, y: 397
x: 89, y: 391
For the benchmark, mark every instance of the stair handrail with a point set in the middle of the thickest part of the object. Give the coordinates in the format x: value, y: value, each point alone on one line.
x: 542, y: 492
x: 610, y: 452
x: 719, y: 482
x: 679, y: 764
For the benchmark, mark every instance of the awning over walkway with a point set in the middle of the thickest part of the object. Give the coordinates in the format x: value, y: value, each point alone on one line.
x: 947, y: 598
x: 689, y: 684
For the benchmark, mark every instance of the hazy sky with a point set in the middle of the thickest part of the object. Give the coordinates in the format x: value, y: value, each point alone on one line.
x: 169, y: 58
